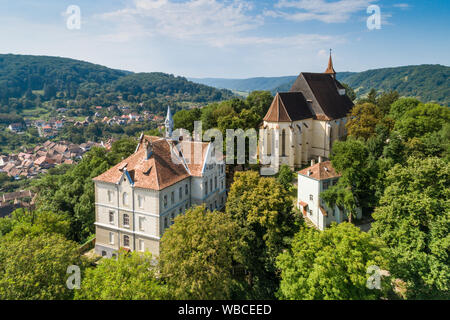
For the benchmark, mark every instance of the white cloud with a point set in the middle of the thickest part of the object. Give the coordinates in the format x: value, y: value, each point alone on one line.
x: 296, y: 41
x: 321, y: 10
x: 403, y: 6
x: 204, y: 20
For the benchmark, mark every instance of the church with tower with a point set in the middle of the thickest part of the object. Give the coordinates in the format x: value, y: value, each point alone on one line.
x: 302, y: 124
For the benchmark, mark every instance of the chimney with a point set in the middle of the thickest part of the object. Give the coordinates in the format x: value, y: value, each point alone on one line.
x: 320, y: 159
x: 313, y: 162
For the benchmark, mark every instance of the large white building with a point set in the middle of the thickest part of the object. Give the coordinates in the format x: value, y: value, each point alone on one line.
x: 137, y: 200
x: 311, y: 182
x: 303, y: 124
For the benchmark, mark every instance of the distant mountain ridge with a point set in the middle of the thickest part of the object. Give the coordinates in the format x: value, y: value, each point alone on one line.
x: 246, y: 85
x: 425, y: 82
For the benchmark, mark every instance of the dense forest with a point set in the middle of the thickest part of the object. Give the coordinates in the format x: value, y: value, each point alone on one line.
x: 47, y: 83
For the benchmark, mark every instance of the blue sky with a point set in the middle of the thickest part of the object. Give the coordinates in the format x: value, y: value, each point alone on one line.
x: 231, y: 38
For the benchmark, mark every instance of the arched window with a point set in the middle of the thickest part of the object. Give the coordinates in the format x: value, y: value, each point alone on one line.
x: 283, y: 143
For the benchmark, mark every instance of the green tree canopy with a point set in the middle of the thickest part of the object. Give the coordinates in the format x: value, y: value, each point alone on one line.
x: 132, y: 276
x: 263, y: 208
x: 352, y: 159
x: 363, y: 120
x: 34, y: 267
x: 401, y: 106
x: 330, y: 265
x: 413, y: 218
x: 285, y: 177
x: 23, y: 223
x: 198, y: 254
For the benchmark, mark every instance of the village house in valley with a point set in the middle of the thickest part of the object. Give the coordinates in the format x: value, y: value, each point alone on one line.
x: 302, y: 124
x: 137, y: 200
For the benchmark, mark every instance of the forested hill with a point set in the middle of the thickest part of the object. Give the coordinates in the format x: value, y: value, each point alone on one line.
x: 28, y: 82
x: 21, y: 73
x: 246, y: 85
x: 426, y: 82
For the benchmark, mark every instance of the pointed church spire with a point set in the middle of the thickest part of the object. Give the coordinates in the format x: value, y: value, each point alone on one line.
x: 330, y: 69
x: 169, y: 124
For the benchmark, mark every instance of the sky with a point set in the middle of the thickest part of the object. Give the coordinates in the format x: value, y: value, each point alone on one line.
x: 230, y: 38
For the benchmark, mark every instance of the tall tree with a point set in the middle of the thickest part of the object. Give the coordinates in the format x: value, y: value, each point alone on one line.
x: 198, y: 255
x: 363, y: 120
x: 356, y: 186
x: 413, y: 218
x: 330, y: 265
x: 34, y: 267
x: 263, y: 208
x: 132, y: 276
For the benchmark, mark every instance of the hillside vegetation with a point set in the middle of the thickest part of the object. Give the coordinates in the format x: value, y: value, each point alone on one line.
x: 46, y: 83
x: 424, y: 82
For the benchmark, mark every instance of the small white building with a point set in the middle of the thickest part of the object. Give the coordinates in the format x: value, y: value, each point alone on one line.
x: 311, y: 182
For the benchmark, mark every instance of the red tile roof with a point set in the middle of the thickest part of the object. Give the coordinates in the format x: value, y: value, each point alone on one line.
x: 157, y: 172
x: 320, y: 171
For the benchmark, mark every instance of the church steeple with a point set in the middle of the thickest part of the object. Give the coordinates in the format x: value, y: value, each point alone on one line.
x: 169, y: 124
x: 330, y: 69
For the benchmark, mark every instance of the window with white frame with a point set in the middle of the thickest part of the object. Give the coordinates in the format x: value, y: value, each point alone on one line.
x: 180, y: 193
x: 111, y: 238
x: 126, y: 220
x: 311, y: 197
x: 165, y: 201
x: 166, y: 222
x: 140, y: 201
x: 172, y: 197
x: 109, y: 196
x: 186, y: 189
x: 141, y: 245
x: 111, y: 217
